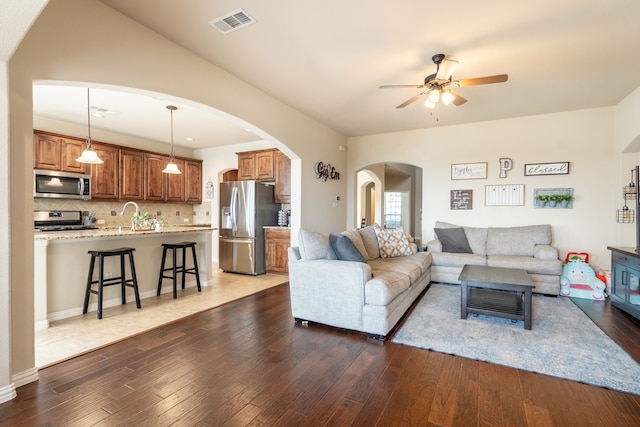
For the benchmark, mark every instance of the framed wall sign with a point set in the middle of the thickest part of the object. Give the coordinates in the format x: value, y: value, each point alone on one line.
x: 469, y: 171
x: 559, y: 168
x: 461, y: 199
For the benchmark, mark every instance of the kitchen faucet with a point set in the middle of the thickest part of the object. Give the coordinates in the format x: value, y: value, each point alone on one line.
x: 131, y: 203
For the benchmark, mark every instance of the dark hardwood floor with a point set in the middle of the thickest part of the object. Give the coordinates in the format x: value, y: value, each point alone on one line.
x: 248, y: 363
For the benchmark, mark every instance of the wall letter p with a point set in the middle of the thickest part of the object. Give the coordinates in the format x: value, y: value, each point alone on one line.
x: 505, y: 165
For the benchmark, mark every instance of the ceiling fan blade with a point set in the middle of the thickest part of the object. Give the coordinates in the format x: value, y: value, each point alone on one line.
x: 457, y: 99
x: 394, y: 86
x: 409, y: 101
x: 446, y: 69
x: 499, y: 78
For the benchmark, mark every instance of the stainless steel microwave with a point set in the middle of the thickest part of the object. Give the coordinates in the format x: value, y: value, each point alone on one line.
x: 61, y: 185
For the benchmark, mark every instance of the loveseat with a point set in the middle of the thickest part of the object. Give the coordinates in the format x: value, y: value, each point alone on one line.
x: 362, y: 280
x: 526, y: 247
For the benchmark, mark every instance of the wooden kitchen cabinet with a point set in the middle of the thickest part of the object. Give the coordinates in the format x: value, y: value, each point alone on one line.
x: 53, y: 152
x: 131, y: 186
x: 175, y: 182
x: 264, y: 165
x: 126, y: 174
x: 246, y: 166
x: 193, y: 181
x: 258, y: 165
x: 276, y: 242
x: 282, y: 189
x: 154, y: 182
x: 105, y: 177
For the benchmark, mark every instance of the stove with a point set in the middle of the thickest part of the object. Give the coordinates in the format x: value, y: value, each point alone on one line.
x: 59, y: 221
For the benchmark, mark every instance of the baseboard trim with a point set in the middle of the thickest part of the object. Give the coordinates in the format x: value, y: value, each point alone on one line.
x: 7, y: 393
x: 25, y: 377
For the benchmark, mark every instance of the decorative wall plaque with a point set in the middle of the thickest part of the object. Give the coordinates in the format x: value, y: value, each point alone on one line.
x: 559, y: 168
x: 469, y: 171
x: 461, y: 199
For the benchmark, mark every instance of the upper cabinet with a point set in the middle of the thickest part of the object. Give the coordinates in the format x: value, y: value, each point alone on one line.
x: 131, y: 175
x: 104, y: 177
x: 267, y: 165
x: 126, y: 174
x: 193, y: 181
x: 282, y: 190
x: 53, y: 152
x: 256, y: 165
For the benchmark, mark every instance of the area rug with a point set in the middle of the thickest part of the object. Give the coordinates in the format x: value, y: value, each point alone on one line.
x: 563, y: 341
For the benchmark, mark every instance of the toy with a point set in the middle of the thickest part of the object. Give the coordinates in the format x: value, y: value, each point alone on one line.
x: 579, y: 280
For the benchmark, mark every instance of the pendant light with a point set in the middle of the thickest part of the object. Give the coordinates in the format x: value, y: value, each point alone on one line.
x: 171, y: 166
x: 88, y: 155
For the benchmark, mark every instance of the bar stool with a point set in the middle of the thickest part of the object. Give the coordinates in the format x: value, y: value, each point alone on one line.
x: 102, y: 282
x: 176, y: 268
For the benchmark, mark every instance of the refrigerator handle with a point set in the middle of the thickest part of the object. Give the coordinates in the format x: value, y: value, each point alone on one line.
x: 234, y: 210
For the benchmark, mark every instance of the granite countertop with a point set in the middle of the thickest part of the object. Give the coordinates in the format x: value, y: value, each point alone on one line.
x: 116, y: 232
x: 277, y: 227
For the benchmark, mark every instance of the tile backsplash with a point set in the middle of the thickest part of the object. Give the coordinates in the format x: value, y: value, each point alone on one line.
x: 109, y: 212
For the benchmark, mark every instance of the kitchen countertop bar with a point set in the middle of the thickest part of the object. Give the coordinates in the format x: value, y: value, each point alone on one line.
x: 116, y: 232
x: 61, y: 264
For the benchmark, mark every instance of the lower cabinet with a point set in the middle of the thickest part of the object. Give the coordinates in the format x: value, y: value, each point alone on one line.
x: 276, y: 242
x: 625, y: 280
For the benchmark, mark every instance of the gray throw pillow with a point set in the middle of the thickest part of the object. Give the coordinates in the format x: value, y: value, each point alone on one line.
x: 344, y: 248
x: 453, y: 240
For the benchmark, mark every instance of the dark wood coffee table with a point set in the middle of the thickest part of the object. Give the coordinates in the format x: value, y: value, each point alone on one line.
x: 496, y: 291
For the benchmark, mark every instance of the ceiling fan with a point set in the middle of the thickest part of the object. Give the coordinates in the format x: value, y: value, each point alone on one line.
x: 439, y: 85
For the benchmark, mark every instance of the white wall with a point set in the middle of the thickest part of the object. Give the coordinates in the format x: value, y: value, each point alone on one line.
x: 583, y: 138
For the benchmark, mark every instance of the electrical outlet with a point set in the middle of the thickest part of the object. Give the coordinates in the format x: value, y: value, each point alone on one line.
x: 108, y: 275
x: 185, y: 219
x: 101, y: 221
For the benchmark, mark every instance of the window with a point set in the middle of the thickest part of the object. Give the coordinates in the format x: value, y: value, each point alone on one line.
x: 395, y: 206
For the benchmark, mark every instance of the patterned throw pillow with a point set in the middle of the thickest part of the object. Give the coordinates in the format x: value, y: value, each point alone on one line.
x: 393, y: 243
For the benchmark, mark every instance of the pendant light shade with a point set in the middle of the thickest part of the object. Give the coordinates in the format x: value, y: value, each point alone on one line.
x: 171, y: 167
x: 89, y: 155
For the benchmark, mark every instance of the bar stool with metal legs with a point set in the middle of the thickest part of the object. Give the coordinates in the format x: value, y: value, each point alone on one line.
x: 102, y: 282
x: 178, y: 268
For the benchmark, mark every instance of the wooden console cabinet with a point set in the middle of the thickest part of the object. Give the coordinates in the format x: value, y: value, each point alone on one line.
x: 276, y: 243
x: 625, y: 280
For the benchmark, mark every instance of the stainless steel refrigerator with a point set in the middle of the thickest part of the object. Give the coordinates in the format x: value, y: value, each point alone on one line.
x: 245, y: 207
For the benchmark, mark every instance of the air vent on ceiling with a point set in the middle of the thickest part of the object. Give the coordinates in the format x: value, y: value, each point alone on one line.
x: 232, y: 21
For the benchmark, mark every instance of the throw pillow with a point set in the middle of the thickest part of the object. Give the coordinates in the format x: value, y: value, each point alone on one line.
x: 314, y: 245
x: 393, y: 243
x: 344, y: 248
x: 453, y: 240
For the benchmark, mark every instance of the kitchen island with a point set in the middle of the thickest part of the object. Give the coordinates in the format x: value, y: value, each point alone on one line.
x: 61, y: 265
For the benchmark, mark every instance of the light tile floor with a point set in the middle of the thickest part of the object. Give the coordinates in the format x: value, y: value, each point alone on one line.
x: 70, y: 337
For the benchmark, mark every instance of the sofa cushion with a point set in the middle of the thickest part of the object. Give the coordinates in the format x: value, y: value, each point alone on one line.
x: 345, y: 249
x: 517, y: 240
x: 398, y: 265
x: 457, y: 260
x: 529, y: 264
x: 453, y: 240
x: 385, y: 287
x: 355, y: 238
x: 314, y: 245
x: 476, y: 236
x: 368, y: 235
x: 392, y: 242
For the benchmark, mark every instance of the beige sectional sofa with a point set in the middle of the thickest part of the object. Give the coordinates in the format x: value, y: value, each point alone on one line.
x: 527, y: 247
x: 366, y: 290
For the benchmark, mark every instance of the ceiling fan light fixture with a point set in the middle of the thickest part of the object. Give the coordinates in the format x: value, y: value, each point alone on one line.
x: 447, y: 97
x: 429, y: 104
x: 434, y: 96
